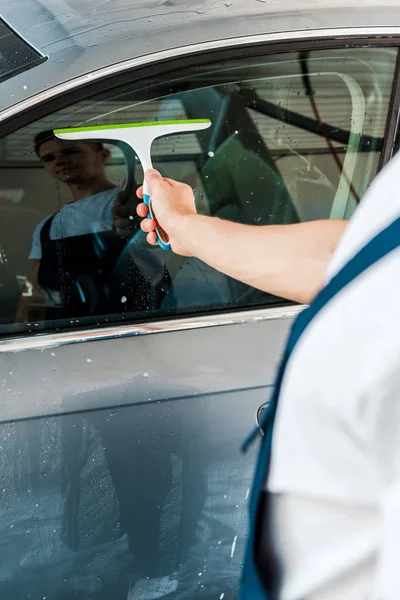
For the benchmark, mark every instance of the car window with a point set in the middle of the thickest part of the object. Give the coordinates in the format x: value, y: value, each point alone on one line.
x: 16, y: 54
x: 294, y: 137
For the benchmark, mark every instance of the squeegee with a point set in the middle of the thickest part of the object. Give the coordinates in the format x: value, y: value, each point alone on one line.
x: 139, y: 137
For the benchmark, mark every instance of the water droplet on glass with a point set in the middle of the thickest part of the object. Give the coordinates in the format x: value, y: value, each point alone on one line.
x: 233, y: 548
x: 124, y: 299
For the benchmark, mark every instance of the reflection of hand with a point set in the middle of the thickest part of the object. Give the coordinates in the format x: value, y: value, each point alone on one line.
x: 171, y: 202
x: 124, y: 214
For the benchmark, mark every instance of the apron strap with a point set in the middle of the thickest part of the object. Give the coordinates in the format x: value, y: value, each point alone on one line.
x: 45, y: 231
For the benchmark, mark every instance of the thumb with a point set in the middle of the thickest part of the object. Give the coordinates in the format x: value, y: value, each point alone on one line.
x: 154, y: 180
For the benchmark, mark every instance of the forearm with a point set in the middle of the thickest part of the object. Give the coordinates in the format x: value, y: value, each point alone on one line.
x: 285, y: 260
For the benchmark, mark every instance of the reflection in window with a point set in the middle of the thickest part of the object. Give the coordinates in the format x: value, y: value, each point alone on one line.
x: 294, y: 137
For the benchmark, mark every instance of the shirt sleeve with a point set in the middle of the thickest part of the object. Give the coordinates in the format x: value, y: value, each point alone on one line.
x: 36, y: 248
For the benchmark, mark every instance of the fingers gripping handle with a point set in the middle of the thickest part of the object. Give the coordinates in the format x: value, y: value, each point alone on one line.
x: 162, y: 237
x: 139, y: 138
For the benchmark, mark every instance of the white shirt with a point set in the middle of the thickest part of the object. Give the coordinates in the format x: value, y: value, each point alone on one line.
x: 335, y: 471
x: 89, y: 215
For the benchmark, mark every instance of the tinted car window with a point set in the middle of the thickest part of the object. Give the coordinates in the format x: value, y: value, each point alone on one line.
x: 294, y: 137
x: 16, y: 54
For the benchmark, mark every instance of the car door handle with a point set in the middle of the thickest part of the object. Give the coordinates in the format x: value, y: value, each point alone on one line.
x: 259, y: 414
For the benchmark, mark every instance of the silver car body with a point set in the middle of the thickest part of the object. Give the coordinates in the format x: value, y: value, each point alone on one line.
x: 203, y: 376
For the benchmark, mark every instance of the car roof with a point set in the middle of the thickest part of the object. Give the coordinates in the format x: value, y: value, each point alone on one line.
x: 82, y: 36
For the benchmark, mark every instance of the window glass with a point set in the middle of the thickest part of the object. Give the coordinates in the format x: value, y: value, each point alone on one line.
x: 294, y: 137
x: 16, y: 55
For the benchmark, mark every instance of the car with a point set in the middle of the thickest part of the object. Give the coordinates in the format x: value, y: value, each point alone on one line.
x: 128, y: 384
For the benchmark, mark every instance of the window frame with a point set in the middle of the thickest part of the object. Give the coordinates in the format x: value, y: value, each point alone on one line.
x: 150, y: 66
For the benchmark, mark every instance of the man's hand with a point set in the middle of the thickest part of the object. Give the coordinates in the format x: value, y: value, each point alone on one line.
x: 172, y: 203
x: 124, y: 214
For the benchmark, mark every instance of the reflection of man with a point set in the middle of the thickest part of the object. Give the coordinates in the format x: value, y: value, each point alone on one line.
x: 76, y: 248
x: 82, y: 168
x: 81, y: 266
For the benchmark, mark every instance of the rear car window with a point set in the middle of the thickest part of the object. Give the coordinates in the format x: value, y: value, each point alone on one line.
x: 16, y: 54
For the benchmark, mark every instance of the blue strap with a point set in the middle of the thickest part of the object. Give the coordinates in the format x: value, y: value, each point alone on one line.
x: 382, y: 244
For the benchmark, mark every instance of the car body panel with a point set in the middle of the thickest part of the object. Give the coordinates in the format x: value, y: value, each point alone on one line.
x: 156, y: 366
x: 188, y: 388
x: 81, y: 37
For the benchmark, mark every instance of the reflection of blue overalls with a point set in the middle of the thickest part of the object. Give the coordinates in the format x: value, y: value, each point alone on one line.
x: 260, y: 579
x: 81, y: 271
x: 90, y: 274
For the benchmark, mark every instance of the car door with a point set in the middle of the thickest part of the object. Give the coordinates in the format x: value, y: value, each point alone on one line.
x: 121, y: 422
